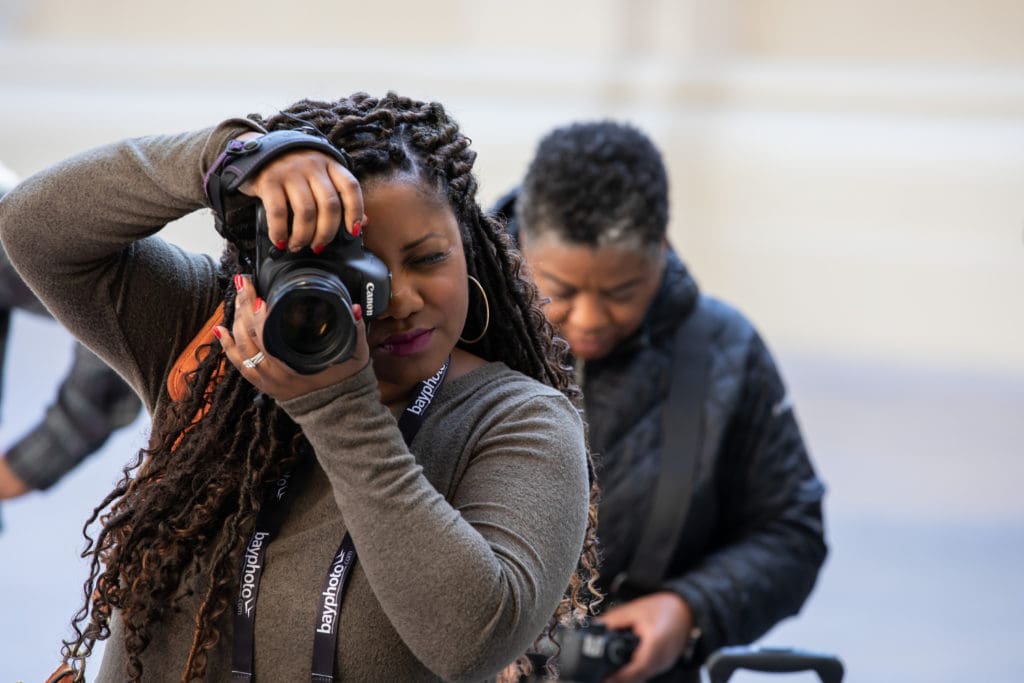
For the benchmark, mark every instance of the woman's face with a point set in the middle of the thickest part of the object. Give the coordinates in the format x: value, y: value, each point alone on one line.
x: 415, y: 233
x: 598, y: 295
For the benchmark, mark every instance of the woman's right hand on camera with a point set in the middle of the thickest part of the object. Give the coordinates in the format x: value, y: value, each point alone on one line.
x: 317, y: 189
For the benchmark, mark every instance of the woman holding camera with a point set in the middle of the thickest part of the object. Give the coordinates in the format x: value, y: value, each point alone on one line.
x: 445, y: 455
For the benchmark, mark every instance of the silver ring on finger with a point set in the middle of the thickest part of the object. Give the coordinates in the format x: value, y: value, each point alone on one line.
x: 254, y: 361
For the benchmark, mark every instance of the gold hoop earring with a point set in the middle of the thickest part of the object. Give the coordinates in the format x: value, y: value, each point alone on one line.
x: 487, y: 313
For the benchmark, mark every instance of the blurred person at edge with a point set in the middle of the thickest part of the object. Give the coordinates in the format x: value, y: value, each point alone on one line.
x: 92, y: 400
x: 591, y: 218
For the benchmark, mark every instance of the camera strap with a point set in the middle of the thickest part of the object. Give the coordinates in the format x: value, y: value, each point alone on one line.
x: 268, y: 523
x: 242, y: 160
x: 682, y: 440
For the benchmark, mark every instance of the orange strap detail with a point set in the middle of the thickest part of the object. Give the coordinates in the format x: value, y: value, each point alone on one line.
x: 187, y: 362
x: 62, y: 674
x: 177, y: 378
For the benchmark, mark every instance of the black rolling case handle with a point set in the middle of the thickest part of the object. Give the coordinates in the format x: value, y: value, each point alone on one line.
x: 722, y: 664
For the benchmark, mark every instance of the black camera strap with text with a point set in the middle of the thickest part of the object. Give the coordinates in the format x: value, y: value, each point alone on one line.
x: 268, y: 523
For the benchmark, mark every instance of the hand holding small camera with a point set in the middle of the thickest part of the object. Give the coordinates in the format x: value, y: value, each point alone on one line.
x: 662, y: 622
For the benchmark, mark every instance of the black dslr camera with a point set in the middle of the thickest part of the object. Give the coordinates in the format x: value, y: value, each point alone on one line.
x: 309, y: 297
x: 592, y: 653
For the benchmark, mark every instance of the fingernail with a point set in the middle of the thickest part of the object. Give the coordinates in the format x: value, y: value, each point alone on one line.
x: 357, y: 312
x: 281, y: 244
x: 357, y: 228
x: 239, y: 282
x: 258, y: 305
x: 319, y: 248
x: 216, y: 332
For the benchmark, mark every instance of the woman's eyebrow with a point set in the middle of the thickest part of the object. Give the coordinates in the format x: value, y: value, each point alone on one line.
x: 632, y: 282
x: 558, y: 281
x: 421, y: 240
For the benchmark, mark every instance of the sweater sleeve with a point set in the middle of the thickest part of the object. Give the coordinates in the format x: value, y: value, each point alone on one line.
x: 486, y: 568
x: 81, y: 234
x: 773, y: 530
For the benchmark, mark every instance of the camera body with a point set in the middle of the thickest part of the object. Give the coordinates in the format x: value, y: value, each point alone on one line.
x: 309, y: 297
x: 593, y: 652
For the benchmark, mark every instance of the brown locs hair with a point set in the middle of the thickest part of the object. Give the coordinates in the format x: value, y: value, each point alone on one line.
x: 176, y: 525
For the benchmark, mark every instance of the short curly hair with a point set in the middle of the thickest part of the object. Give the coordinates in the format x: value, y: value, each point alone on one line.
x: 598, y: 184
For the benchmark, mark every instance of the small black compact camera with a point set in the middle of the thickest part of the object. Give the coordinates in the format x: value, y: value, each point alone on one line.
x: 592, y: 653
x: 309, y: 297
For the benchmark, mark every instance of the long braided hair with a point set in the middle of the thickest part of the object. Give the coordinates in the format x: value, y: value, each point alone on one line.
x: 176, y: 524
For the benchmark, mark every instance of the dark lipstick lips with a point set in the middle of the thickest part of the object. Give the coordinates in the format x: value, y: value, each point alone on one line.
x: 404, y: 337
x: 407, y: 343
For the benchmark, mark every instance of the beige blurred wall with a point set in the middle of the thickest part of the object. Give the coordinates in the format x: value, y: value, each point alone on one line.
x: 850, y: 174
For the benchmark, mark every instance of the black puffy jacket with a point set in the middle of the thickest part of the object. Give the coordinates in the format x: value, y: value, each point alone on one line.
x: 753, y: 541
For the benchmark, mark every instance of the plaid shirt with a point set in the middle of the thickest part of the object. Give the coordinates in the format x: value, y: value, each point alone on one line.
x: 92, y: 401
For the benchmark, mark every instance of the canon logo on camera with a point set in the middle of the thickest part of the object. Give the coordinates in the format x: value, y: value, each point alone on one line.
x: 369, y: 300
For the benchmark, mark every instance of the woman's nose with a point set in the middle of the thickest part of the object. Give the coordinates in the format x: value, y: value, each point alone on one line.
x: 405, y: 298
x: 588, y: 313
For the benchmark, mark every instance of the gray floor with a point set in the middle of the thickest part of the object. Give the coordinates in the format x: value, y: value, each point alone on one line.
x: 925, y: 522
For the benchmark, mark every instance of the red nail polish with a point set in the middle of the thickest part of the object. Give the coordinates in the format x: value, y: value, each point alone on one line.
x: 281, y: 244
x: 239, y: 282
x: 357, y: 228
x: 216, y: 332
x: 319, y: 248
x: 357, y: 312
x: 258, y: 305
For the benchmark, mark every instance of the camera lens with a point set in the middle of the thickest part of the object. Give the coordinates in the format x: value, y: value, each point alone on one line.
x: 618, y: 652
x: 309, y: 320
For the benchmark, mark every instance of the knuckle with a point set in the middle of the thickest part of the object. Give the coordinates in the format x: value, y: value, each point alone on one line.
x: 349, y: 186
x: 278, y: 211
x: 332, y: 203
x: 305, y: 211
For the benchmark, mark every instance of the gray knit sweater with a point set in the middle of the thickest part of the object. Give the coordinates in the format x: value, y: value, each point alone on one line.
x: 465, y: 544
